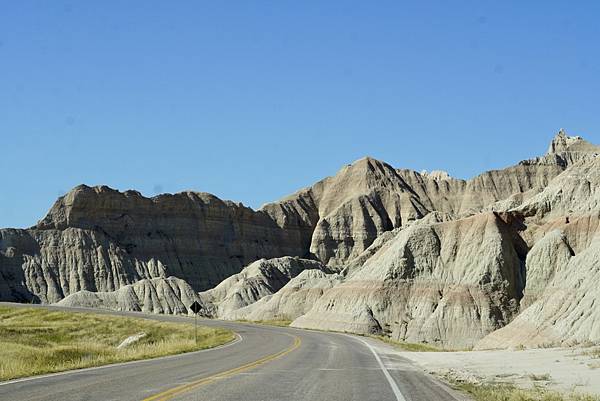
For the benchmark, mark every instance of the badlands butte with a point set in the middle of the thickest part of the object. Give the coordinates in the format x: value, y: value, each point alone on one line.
x: 508, y: 258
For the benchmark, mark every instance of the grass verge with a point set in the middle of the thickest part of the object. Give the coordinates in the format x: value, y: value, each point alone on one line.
x: 508, y: 392
x: 36, y: 341
x: 276, y: 322
x: 414, y: 347
x: 594, y: 353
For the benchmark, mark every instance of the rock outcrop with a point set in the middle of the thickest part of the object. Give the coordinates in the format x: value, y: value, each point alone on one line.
x: 563, y: 266
x: 293, y: 300
x: 47, y: 265
x: 571, y: 149
x: 573, y: 193
x: 421, y: 257
x: 197, y: 236
x: 566, y: 313
x: 347, y: 212
x: 447, y: 283
x: 258, y: 280
x: 548, y: 256
x: 160, y: 295
x: 99, y: 239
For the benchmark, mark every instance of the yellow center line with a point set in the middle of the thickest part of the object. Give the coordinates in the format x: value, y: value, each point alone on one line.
x: 175, y: 391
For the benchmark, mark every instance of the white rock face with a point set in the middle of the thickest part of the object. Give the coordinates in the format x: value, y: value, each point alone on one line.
x: 48, y: 265
x: 548, y: 256
x: 160, y: 295
x: 562, y: 143
x: 344, y: 214
x: 293, y: 300
x: 258, y: 280
x: 566, y: 313
x: 422, y: 257
x: 437, y: 175
x: 446, y: 283
x: 563, y: 222
x: 575, y: 192
x: 100, y: 239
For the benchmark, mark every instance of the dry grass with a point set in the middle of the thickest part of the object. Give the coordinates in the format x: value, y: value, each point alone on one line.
x: 594, y: 352
x: 274, y: 322
x: 507, y: 392
x: 540, y: 377
x: 414, y: 347
x: 278, y: 323
x: 37, y: 341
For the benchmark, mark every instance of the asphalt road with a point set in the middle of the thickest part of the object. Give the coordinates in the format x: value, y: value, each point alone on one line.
x: 264, y: 364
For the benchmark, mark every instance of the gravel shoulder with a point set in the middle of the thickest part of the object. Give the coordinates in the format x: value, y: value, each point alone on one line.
x: 560, y: 369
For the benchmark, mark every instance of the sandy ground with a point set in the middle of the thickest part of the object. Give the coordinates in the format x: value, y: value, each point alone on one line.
x: 562, y: 369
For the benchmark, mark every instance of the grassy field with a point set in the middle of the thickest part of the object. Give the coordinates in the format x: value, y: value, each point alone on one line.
x: 507, y: 392
x: 35, y: 341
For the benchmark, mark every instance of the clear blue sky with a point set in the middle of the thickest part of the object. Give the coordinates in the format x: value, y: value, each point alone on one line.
x: 254, y: 100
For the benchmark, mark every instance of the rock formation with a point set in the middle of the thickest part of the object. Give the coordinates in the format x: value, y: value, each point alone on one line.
x: 450, y: 280
x: 505, y: 258
x: 159, y: 295
x: 566, y: 312
x: 293, y: 300
x: 347, y: 212
x: 548, y: 256
x: 259, y: 279
x: 99, y: 239
x: 445, y: 283
x: 563, y: 266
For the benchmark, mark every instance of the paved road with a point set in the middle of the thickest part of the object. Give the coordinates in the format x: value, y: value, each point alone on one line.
x: 264, y: 364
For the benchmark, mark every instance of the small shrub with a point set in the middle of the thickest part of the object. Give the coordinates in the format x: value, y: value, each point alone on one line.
x: 541, y: 377
x: 508, y: 392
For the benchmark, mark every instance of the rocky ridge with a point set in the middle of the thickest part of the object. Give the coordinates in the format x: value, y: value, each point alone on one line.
x: 420, y: 257
x: 258, y: 280
x: 159, y: 295
x: 444, y: 283
x: 293, y: 300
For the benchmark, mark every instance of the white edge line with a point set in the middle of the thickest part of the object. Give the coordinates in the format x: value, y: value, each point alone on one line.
x: 390, y: 379
x: 238, y: 339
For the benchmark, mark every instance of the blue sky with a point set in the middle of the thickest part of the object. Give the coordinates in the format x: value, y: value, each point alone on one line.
x: 254, y: 100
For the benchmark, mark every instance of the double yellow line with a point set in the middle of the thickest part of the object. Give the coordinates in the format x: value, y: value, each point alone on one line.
x: 175, y: 391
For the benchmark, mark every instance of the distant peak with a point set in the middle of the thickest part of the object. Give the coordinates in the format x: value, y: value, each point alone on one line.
x: 561, y: 142
x: 437, y: 175
x: 366, y: 163
x: 366, y: 159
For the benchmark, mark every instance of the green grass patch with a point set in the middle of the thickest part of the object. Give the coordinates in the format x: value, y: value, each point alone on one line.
x: 508, y: 392
x: 35, y: 341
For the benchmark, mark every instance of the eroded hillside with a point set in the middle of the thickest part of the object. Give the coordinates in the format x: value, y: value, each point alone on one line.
x: 506, y: 258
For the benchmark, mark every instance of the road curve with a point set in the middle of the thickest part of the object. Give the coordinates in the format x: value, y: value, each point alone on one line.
x: 264, y: 364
